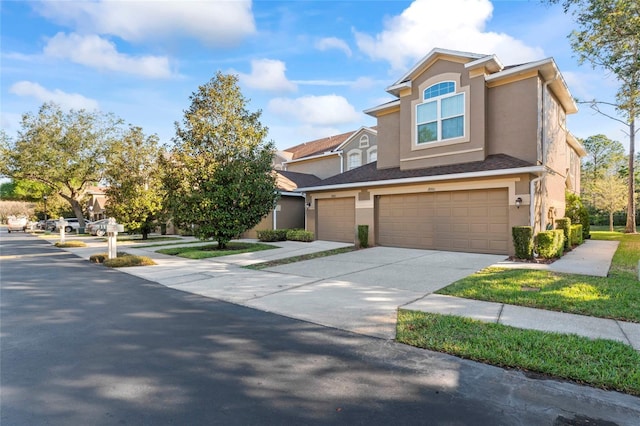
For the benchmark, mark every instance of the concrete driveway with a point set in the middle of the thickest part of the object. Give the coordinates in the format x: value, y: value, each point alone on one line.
x: 360, y: 291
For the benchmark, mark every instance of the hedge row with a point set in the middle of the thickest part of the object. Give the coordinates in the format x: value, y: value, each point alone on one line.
x: 547, y: 244
x: 270, y: 235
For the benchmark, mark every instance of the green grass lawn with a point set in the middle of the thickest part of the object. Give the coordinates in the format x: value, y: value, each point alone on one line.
x: 211, y: 250
x: 616, y: 296
x: 300, y: 258
x: 602, y: 363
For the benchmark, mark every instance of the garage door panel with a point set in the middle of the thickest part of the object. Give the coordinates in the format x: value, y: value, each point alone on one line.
x: 336, y: 219
x: 474, y: 220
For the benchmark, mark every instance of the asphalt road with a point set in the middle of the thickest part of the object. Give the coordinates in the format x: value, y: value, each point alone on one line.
x: 83, y: 344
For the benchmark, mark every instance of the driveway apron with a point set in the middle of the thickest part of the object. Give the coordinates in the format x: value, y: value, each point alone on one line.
x: 360, y: 291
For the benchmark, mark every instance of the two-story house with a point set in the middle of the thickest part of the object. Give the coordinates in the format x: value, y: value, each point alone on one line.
x: 332, y: 155
x: 468, y: 149
x: 307, y: 163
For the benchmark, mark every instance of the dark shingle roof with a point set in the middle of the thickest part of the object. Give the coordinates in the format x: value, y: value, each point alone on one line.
x: 370, y: 172
x: 318, y: 146
x: 289, y: 181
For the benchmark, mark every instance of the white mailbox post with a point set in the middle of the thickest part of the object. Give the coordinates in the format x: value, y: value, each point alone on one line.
x: 62, y: 224
x: 112, y: 235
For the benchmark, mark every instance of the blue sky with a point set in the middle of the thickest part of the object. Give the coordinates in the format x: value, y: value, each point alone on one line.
x: 312, y: 67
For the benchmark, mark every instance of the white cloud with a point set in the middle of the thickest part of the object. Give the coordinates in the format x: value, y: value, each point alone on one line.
x: 454, y: 24
x: 220, y: 23
x: 65, y: 100
x: 268, y: 74
x: 333, y: 43
x: 325, y: 110
x: 96, y: 52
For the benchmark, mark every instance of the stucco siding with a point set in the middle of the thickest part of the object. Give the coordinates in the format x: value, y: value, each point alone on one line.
x: 512, y: 120
x: 322, y: 167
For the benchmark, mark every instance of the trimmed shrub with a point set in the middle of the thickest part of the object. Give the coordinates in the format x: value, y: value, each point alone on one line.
x: 550, y: 244
x: 70, y: 244
x: 565, y: 225
x: 523, y: 241
x: 578, y: 213
x: 299, y: 235
x: 270, y: 235
x: 122, y: 260
x: 576, y: 235
x: 363, y: 236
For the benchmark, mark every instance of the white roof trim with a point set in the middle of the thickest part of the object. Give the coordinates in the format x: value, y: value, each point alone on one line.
x: 353, y: 136
x: 291, y: 194
x: 382, y: 107
x: 576, y: 145
x: 481, y: 61
x: 519, y: 69
x: 312, y: 157
x: 489, y: 173
x: 436, y: 51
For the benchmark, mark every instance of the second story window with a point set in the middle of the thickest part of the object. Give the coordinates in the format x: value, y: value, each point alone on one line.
x: 441, y: 115
x: 354, y: 160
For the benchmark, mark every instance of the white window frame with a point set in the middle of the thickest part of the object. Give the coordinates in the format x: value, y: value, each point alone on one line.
x: 355, y: 153
x: 370, y: 152
x: 364, y: 141
x: 439, y: 119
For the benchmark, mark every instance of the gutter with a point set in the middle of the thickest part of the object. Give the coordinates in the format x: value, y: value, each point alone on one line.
x: 502, y: 172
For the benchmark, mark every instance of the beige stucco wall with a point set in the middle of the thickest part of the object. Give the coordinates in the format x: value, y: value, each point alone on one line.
x: 470, y: 147
x: 389, y: 140
x: 322, y: 167
x: 512, y: 120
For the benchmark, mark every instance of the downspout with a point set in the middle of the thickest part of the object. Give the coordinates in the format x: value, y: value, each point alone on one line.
x: 341, y: 162
x: 543, y: 206
x: 275, y: 217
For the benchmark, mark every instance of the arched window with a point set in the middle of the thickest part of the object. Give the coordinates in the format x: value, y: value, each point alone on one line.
x: 364, y: 141
x: 441, y: 115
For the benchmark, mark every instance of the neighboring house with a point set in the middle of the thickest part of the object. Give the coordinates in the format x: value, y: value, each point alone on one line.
x: 467, y: 150
x: 330, y: 156
x: 289, y: 212
x: 97, y: 203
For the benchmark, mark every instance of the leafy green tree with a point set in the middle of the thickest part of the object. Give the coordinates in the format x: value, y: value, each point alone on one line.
x: 608, y: 36
x: 66, y: 151
x: 134, y: 194
x: 218, y: 174
x: 578, y: 213
x: 611, y: 195
x: 604, y: 156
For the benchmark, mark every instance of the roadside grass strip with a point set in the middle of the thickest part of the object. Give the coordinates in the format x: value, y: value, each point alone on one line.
x: 300, y: 258
x: 70, y: 244
x: 211, y: 250
x: 601, y: 363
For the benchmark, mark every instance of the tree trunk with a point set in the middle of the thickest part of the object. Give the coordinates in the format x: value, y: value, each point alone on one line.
x: 611, y: 221
x: 631, y: 204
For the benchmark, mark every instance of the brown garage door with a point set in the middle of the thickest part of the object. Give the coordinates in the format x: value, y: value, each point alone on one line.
x: 336, y: 219
x: 473, y: 221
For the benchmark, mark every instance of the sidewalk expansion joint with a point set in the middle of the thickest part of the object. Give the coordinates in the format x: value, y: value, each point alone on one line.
x: 500, y: 313
x: 623, y: 333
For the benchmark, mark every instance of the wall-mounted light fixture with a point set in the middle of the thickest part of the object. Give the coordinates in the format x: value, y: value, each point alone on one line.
x: 307, y: 204
x: 518, y: 202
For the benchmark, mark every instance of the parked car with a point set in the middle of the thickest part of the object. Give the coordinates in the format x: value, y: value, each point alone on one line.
x: 16, y: 223
x: 72, y: 224
x: 99, y: 227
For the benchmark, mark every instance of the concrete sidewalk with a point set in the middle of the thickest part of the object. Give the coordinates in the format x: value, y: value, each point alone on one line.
x: 360, y: 291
